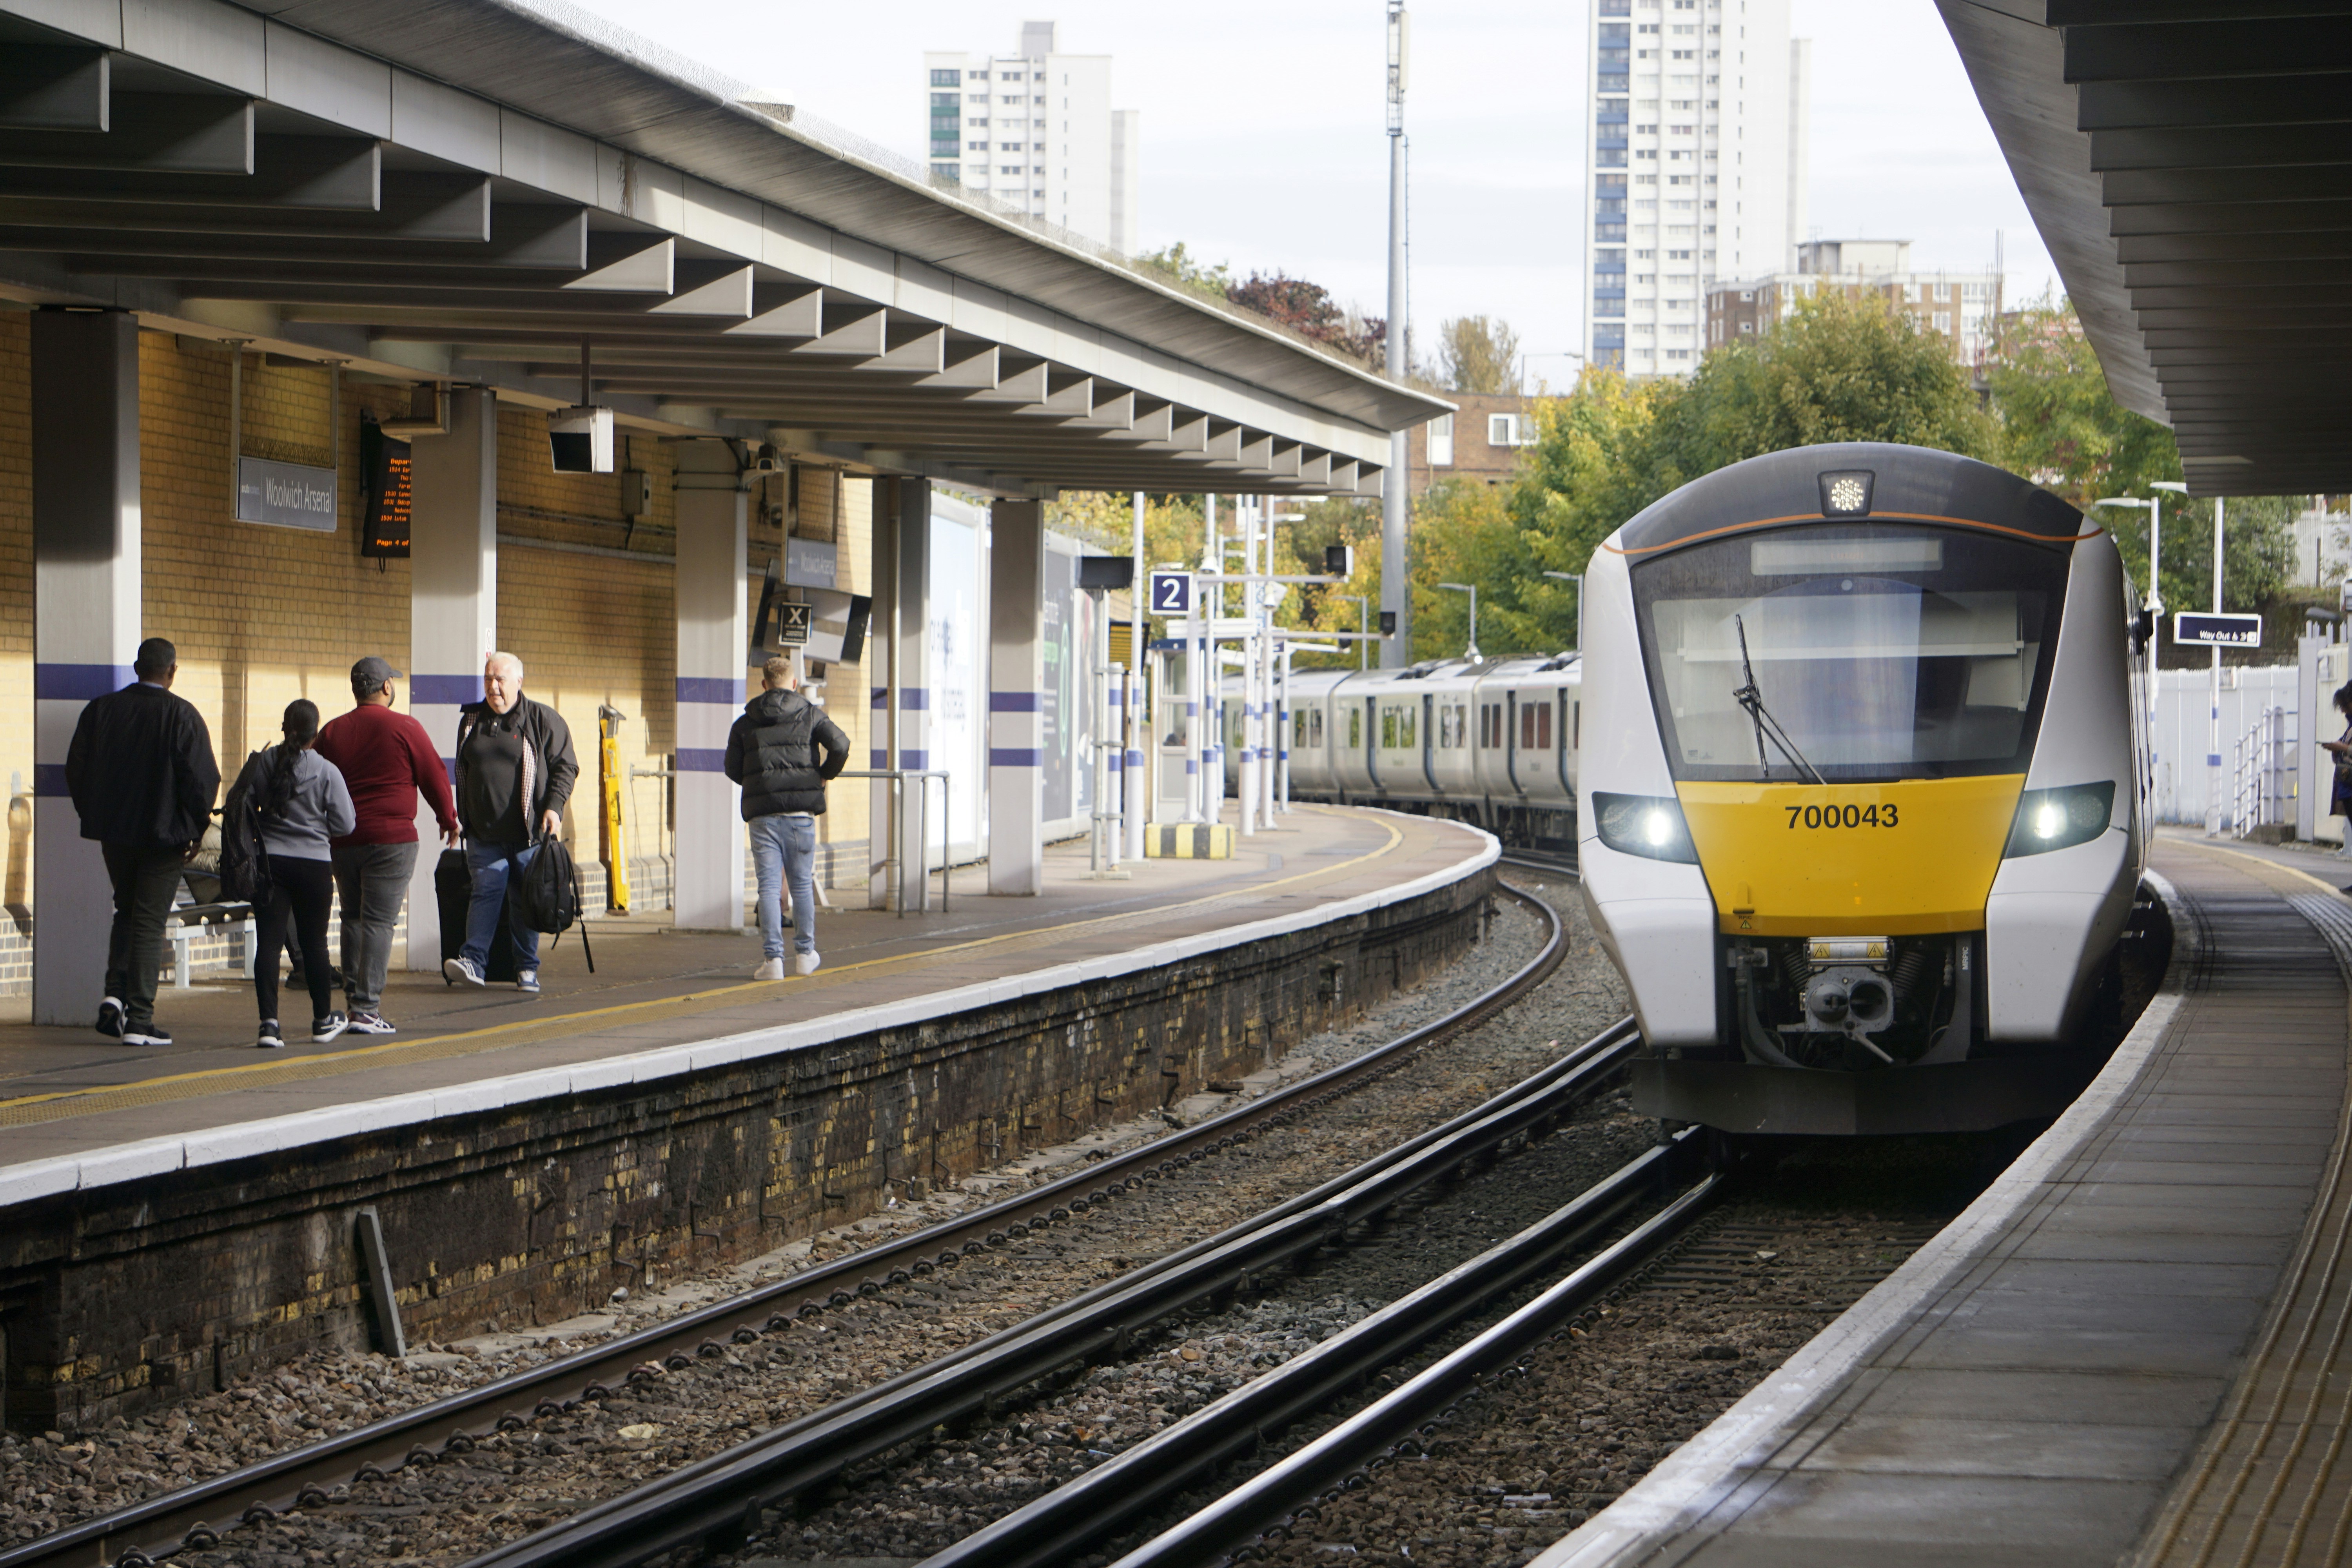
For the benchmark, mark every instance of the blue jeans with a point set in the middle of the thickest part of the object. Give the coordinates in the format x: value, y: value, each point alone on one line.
x: 783, y: 851
x: 491, y: 864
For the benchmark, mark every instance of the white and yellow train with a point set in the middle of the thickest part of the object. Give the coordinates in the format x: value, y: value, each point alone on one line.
x: 1852, y: 771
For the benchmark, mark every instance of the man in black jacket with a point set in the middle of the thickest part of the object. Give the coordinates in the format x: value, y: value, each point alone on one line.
x: 142, y: 777
x: 515, y: 772
x: 772, y: 753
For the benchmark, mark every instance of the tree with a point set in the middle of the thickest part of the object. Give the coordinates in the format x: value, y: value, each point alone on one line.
x: 1176, y: 264
x: 1475, y: 354
x: 1309, y: 309
x: 2062, y: 428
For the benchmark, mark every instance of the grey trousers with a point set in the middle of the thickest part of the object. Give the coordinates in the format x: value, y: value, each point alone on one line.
x: 372, y: 882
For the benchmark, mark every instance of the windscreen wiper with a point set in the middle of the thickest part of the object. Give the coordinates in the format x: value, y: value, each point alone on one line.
x: 1748, y: 696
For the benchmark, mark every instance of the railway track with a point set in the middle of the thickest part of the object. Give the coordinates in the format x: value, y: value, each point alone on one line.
x: 197, y: 1516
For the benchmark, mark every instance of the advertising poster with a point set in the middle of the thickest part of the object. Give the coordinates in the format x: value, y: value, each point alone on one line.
x: 1061, y: 670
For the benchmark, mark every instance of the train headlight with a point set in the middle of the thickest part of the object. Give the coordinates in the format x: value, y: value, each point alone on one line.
x: 2051, y: 819
x: 1643, y: 825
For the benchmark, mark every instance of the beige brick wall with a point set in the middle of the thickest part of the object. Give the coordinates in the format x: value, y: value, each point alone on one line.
x: 265, y: 615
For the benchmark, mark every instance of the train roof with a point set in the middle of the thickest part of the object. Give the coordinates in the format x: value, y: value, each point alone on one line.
x: 1911, y: 484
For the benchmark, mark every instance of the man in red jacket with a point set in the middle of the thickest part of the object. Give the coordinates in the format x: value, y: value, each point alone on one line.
x: 385, y: 757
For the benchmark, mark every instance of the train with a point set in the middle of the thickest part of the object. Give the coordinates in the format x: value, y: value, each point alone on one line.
x: 1849, y: 763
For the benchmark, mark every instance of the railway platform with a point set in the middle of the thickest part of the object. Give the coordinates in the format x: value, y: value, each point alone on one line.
x: 2133, y: 1347
x: 522, y: 1158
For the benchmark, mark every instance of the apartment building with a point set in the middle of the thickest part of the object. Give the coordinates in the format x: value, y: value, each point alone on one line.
x: 1036, y: 129
x: 1695, y: 168
x: 1964, y: 307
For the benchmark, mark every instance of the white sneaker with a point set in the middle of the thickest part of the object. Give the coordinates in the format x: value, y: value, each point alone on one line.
x: 770, y: 969
x: 527, y: 982
x: 806, y: 963
x: 457, y: 971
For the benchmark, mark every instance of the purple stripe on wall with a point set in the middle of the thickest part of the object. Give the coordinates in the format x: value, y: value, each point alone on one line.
x: 447, y: 690
x: 1015, y: 701
x: 711, y: 688
x: 702, y: 759
x: 1014, y: 757
x: 911, y: 699
x: 876, y: 762
x: 79, y: 682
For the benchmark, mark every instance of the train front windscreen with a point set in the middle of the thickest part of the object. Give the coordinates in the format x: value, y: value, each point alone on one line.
x: 1880, y: 652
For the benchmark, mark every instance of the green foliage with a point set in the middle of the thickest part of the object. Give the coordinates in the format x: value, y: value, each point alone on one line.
x: 1476, y: 354
x: 2062, y: 428
x: 1176, y: 264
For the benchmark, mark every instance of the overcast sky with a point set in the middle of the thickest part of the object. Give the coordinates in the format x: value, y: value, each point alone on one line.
x: 1263, y: 124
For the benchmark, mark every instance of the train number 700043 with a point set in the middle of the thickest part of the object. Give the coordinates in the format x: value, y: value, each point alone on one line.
x: 1876, y: 815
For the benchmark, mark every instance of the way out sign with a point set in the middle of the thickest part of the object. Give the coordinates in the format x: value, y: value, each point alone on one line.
x: 2207, y: 628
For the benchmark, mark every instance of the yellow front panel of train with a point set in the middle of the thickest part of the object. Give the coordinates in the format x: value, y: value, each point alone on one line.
x: 1910, y: 859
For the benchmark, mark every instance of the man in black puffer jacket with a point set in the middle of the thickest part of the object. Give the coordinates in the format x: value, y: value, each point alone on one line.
x: 772, y: 752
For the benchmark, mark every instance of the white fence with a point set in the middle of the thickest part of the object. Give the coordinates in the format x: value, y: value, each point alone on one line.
x: 2183, y: 735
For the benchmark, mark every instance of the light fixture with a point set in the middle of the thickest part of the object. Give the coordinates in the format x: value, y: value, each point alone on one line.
x: 1846, y: 494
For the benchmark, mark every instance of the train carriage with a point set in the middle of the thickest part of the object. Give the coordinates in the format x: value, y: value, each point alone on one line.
x: 1859, y: 759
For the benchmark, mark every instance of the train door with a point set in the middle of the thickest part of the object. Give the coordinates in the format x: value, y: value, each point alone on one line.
x: 1571, y: 708
x: 1372, y: 751
x: 1510, y: 750
x: 1428, y: 740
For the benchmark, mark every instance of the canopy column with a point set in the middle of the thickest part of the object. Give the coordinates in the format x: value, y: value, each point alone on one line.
x: 1016, y: 698
x: 713, y: 632
x: 85, y: 602
x: 453, y: 611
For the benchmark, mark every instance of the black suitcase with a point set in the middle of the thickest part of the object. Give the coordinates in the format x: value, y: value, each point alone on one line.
x: 453, y: 890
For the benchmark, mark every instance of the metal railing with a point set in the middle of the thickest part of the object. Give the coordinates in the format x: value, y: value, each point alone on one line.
x: 2262, y: 762
x: 897, y: 778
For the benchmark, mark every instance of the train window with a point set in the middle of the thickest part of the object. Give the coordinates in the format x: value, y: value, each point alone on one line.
x: 1543, y: 727
x: 1387, y: 728
x: 1315, y: 726
x: 1527, y: 728
x: 1405, y: 726
x: 1298, y: 727
x: 1355, y: 729
x: 1576, y: 727
x: 1880, y: 658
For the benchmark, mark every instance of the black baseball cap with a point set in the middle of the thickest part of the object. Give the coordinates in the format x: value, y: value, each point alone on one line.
x: 373, y: 672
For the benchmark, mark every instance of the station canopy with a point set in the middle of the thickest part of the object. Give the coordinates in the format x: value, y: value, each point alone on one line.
x: 496, y: 191
x: 2189, y: 163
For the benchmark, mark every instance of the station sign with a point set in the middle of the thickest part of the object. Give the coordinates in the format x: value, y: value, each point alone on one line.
x: 1171, y: 592
x: 285, y: 495
x: 2207, y: 628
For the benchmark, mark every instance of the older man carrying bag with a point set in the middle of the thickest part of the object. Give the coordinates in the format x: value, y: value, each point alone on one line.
x: 515, y: 772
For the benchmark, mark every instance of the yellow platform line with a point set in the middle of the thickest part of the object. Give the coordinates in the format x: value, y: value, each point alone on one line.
x: 97, y: 1098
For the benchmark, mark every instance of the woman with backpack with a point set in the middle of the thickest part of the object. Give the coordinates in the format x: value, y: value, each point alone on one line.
x: 301, y: 802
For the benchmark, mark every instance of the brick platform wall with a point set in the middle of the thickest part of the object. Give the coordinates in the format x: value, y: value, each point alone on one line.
x: 125, y: 1296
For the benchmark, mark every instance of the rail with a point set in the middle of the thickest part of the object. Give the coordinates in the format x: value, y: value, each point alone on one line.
x: 897, y: 778
x: 1364, y: 1439
x: 725, y: 1494
x: 159, y: 1526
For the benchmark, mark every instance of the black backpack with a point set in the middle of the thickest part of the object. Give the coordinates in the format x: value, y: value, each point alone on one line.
x: 243, y: 858
x: 545, y: 896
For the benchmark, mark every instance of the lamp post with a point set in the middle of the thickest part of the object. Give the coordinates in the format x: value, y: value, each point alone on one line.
x: 1363, y: 626
x: 2155, y: 604
x: 1577, y: 578
x: 1470, y: 653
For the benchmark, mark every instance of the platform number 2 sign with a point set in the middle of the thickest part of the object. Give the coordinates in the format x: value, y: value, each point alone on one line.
x: 1171, y: 592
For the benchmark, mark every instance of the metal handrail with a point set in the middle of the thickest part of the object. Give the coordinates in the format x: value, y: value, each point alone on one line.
x: 897, y: 778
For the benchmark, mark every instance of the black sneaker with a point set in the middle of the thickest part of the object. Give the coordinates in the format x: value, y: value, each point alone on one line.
x: 326, y: 1029
x: 271, y: 1040
x: 109, y: 1017
x: 145, y: 1035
